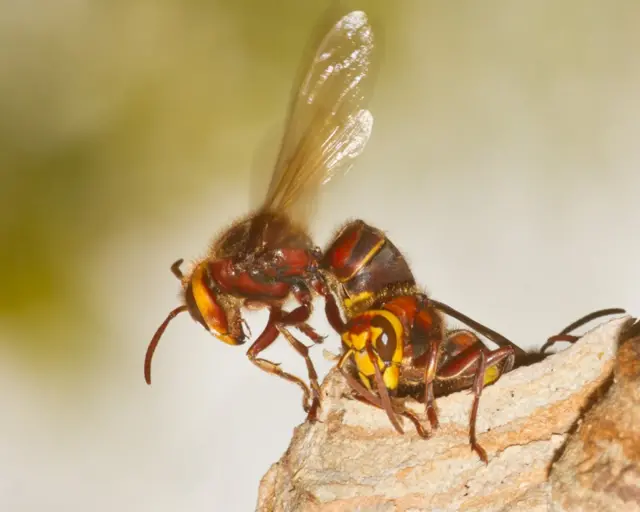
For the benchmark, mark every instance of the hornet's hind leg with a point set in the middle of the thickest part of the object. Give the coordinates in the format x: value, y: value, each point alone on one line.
x: 471, y: 362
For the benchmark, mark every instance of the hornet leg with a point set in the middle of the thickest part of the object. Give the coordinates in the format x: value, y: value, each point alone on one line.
x: 265, y: 339
x: 481, y: 365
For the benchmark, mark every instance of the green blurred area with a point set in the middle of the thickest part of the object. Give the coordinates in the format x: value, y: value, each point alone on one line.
x: 111, y: 112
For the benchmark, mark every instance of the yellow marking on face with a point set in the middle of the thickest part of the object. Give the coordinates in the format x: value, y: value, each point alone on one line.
x: 356, y: 341
x: 491, y: 374
x: 374, y: 334
x: 229, y: 340
x: 397, y: 327
x: 391, y: 377
x: 208, y: 308
x: 200, y: 293
x: 364, y: 364
x: 365, y: 380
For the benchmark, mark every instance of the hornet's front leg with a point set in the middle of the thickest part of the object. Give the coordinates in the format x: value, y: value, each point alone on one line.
x: 266, y: 338
x: 303, y: 350
x: 297, y: 318
x: 278, y: 322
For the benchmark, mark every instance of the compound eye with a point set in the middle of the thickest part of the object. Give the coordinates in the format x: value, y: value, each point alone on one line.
x: 206, y: 303
x: 194, y: 311
x: 387, y: 342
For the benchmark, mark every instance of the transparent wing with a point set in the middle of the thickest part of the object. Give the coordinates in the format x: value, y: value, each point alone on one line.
x: 328, y: 125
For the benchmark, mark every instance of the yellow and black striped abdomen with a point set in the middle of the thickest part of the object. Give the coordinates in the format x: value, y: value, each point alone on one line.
x: 364, y: 260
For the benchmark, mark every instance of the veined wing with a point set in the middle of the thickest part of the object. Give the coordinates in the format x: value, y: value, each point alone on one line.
x: 328, y: 125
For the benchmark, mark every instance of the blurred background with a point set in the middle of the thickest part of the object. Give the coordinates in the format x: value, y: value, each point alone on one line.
x: 504, y: 162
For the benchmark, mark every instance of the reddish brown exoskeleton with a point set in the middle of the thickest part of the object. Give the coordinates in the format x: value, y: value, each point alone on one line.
x: 395, y: 336
x: 565, y: 334
x: 268, y: 257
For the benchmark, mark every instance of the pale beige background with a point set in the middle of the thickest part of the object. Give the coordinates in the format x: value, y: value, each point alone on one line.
x: 504, y: 161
